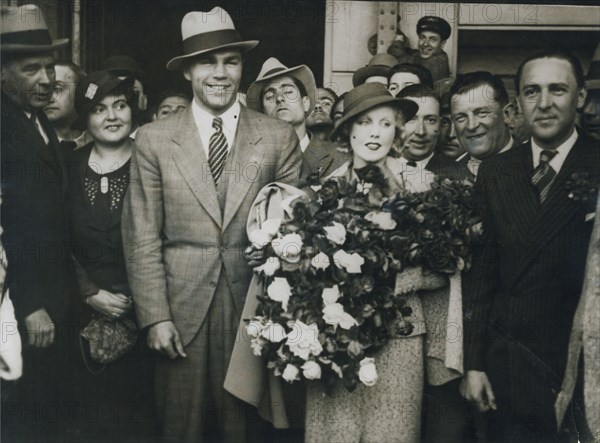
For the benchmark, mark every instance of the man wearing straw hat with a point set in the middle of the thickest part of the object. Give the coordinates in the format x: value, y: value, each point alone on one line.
x: 33, y: 218
x: 194, y: 178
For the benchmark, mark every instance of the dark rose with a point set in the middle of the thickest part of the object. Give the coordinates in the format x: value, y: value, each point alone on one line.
x: 329, y: 194
x: 372, y: 174
x: 300, y: 211
x: 398, y: 206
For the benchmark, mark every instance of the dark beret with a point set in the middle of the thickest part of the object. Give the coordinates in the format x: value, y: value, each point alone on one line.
x: 434, y: 24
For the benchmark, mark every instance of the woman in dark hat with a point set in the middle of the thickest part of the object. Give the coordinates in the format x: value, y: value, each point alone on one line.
x: 121, y: 391
x: 372, y: 127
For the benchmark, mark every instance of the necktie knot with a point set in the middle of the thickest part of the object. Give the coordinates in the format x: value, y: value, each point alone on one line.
x: 473, y: 166
x: 217, y: 124
x: 33, y: 118
x: 546, y: 156
x: 411, y: 163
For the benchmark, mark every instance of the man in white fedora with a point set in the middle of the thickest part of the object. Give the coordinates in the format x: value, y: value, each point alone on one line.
x: 289, y: 95
x: 40, y: 274
x: 195, y: 176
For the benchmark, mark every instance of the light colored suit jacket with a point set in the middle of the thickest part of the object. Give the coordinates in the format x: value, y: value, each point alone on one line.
x: 177, y: 239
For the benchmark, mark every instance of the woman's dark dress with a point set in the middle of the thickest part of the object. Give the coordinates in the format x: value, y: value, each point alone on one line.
x: 117, y: 399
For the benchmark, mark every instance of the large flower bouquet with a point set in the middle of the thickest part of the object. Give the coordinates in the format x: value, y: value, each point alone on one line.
x: 330, y: 300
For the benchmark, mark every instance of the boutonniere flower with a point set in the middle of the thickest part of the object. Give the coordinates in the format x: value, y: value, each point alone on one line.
x: 583, y: 187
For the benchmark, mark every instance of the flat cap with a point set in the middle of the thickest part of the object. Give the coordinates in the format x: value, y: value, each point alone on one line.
x: 434, y: 24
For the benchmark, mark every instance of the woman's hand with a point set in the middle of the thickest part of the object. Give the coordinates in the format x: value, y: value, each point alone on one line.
x: 113, y: 305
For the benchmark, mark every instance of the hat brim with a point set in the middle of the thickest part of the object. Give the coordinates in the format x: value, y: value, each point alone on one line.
x: 302, y: 73
x: 362, y: 74
x: 592, y: 84
x: 16, y: 47
x: 176, y: 63
x: 407, y: 107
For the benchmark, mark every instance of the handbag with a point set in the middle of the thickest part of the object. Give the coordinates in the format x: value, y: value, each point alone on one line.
x: 109, y: 338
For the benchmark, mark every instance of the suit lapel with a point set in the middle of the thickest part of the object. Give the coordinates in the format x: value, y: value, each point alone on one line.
x: 243, y: 154
x: 191, y: 161
x: 558, y: 209
x: 53, y: 148
x: 519, y: 195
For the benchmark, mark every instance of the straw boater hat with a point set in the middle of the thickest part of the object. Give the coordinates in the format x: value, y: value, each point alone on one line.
x: 24, y: 29
x: 379, y: 65
x: 273, y: 68
x: 592, y: 80
x: 208, y: 31
x: 368, y: 96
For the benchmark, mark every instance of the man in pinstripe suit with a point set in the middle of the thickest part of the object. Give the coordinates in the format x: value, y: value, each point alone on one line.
x: 522, y: 291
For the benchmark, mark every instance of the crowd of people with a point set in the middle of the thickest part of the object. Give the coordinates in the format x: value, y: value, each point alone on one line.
x: 126, y: 261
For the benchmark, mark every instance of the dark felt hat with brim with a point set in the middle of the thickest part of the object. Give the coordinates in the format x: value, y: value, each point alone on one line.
x: 368, y: 96
x: 434, y: 24
x: 24, y: 30
x: 273, y: 68
x: 93, y: 88
x: 204, y: 32
x: 379, y: 65
x: 592, y: 80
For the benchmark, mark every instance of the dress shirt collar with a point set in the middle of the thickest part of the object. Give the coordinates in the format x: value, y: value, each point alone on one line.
x: 421, y: 164
x: 561, y: 152
x: 205, y: 119
x: 304, y: 142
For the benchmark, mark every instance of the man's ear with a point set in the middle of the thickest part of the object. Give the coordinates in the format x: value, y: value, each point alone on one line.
x: 186, y: 74
x: 509, y: 112
x: 443, y: 44
x: 306, y: 104
x: 581, y: 96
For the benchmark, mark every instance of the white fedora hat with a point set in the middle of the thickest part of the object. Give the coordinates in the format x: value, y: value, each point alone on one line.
x: 208, y: 31
x: 24, y: 29
x: 273, y: 68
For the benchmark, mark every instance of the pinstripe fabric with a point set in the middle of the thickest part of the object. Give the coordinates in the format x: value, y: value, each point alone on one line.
x: 523, y: 289
x: 544, y: 174
x: 217, y: 149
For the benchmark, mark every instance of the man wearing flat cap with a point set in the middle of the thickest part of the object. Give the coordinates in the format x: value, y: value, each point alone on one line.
x: 184, y: 228
x: 40, y: 273
x: 288, y: 94
x: 433, y: 32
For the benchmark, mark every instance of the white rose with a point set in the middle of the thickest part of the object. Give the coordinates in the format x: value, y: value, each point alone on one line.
x: 254, y: 328
x: 336, y: 233
x: 334, y: 315
x: 280, y: 290
x: 288, y: 247
x: 291, y: 373
x: 350, y: 262
x: 320, y: 261
x: 382, y: 219
x: 261, y: 237
x: 273, y: 332
x: 269, y: 267
x: 303, y: 340
x: 330, y: 295
x: 256, y: 344
x: 311, y: 370
x: 368, y: 372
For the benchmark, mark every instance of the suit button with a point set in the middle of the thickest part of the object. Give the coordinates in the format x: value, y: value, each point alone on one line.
x: 213, y: 284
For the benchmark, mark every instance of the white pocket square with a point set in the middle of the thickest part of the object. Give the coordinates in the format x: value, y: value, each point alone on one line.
x: 589, y: 216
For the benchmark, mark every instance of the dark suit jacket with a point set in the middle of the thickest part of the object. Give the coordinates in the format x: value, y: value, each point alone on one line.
x: 323, y: 157
x: 34, y: 220
x: 527, y: 273
x: 443, y: 167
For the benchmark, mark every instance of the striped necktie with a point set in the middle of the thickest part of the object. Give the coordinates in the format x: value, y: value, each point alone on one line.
x: 544, y: 175
x: 217, y: 150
